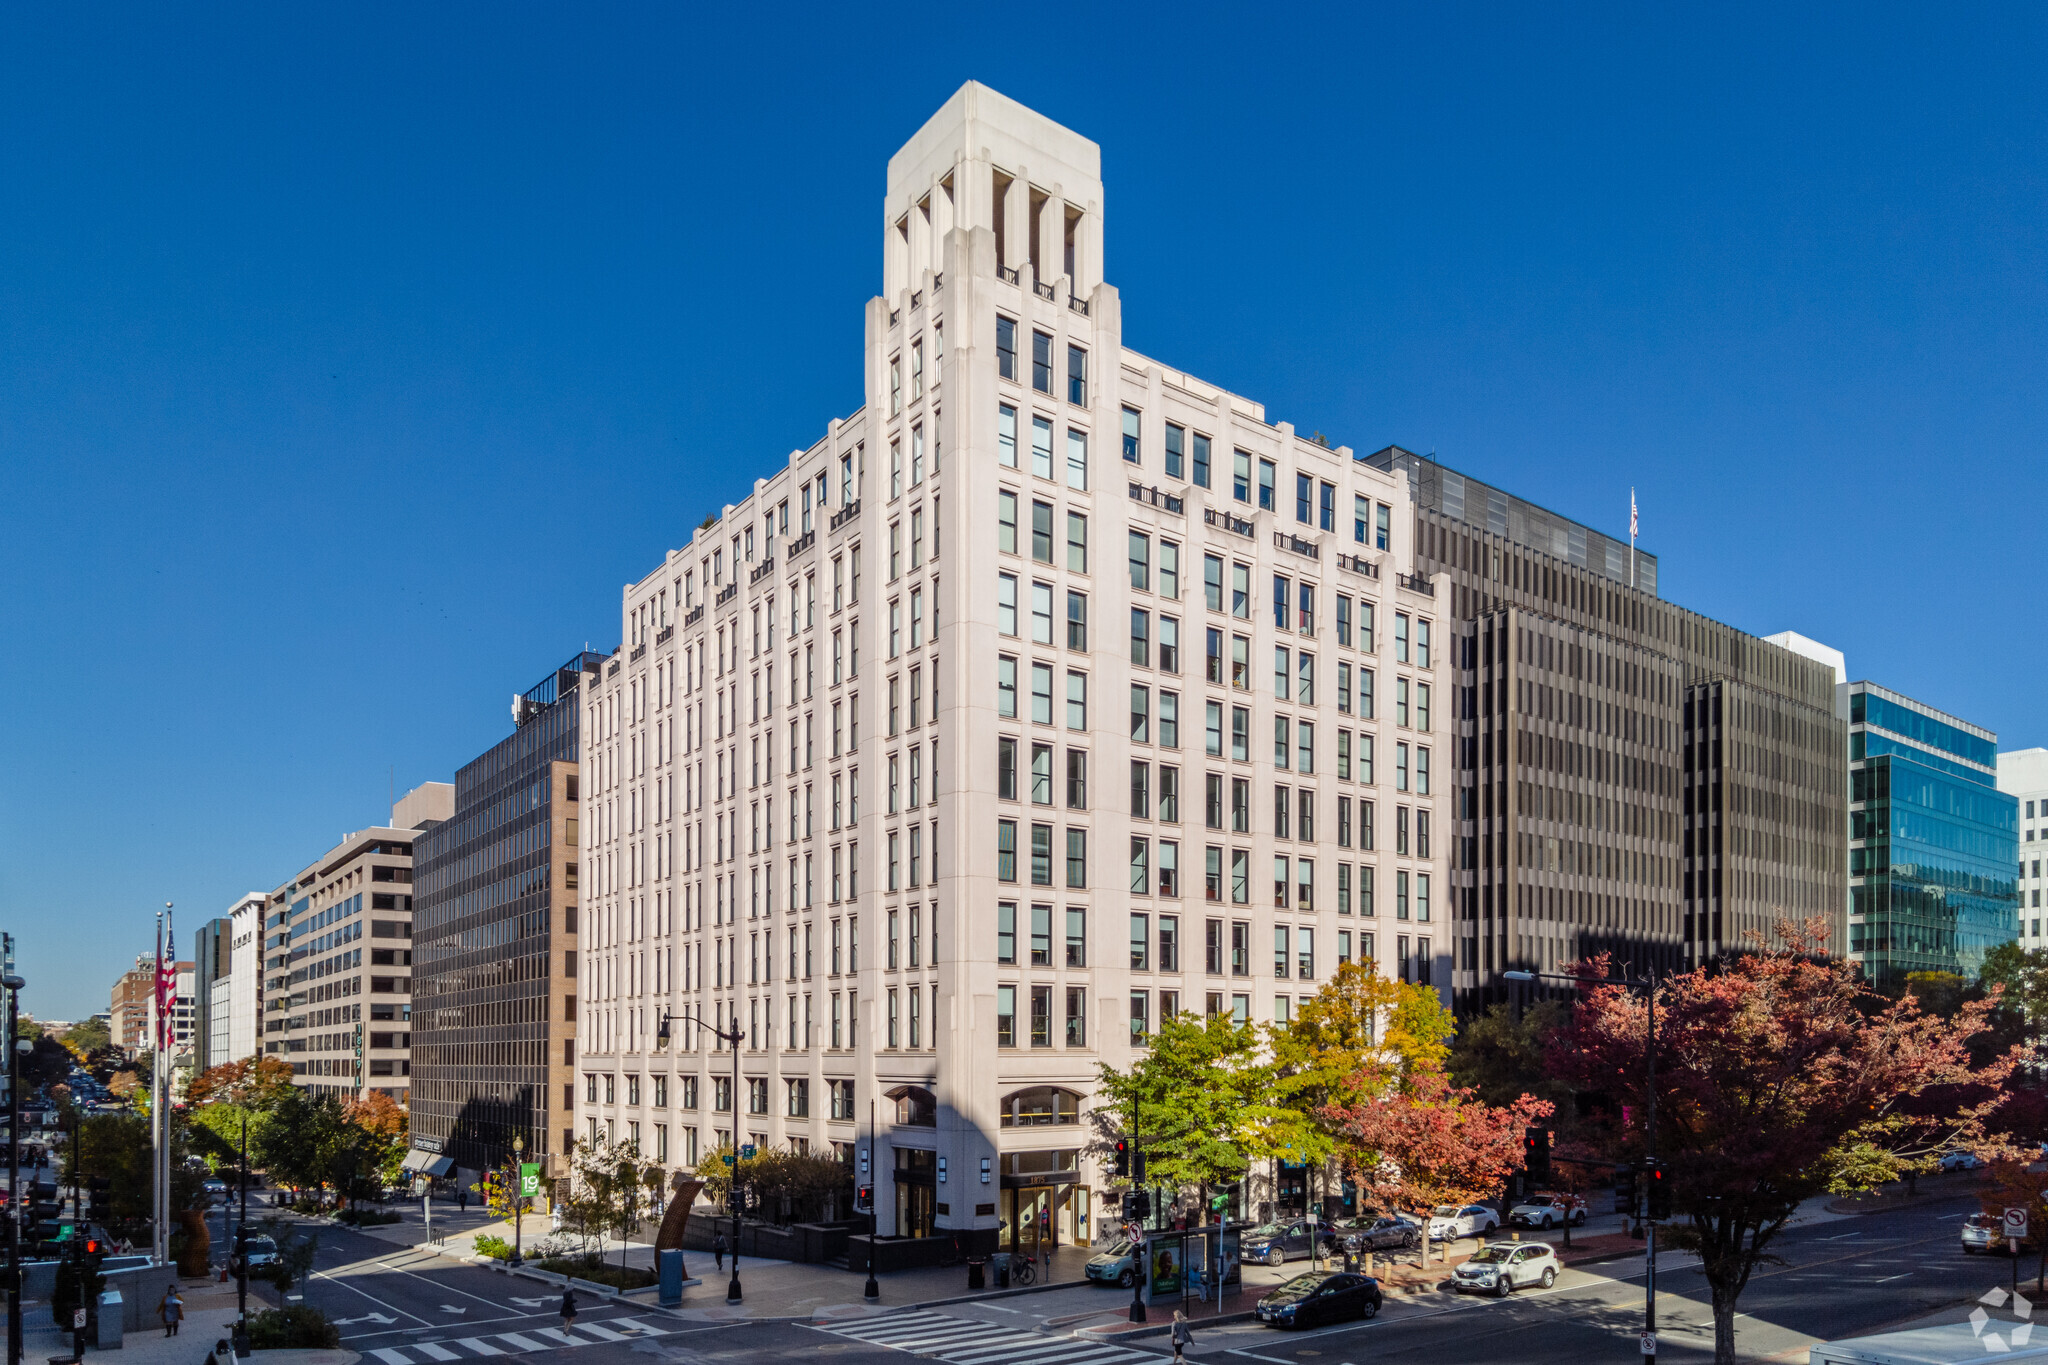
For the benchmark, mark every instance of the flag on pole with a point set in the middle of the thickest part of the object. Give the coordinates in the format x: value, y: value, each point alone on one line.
x: 166, y: 987
x: 1634, y: 523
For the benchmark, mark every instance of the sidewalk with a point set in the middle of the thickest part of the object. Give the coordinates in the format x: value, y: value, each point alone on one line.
x: 210, y: 1312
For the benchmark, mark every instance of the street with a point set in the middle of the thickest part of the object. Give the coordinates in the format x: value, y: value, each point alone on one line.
x: 1844, y: 1277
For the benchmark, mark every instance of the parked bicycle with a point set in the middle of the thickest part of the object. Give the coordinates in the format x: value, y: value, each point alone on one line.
x: 1024, y: 1270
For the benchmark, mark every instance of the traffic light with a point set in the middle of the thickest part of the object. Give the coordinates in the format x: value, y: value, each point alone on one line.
x: 864, y: 1198
x: 1138, y: 1165
x: 98, y: 1200
x: 1536, y: 1155
x: 1123, y: 1158
x: 1625, y: 1190
x: 1138, y: 1204
x: 1657, y: 1191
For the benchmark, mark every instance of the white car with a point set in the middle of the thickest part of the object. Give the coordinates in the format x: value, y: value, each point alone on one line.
x: 1450, y: 1221
x: 1504, y: 1267
x: 1547, y: 1211
x: 1960, y: 1161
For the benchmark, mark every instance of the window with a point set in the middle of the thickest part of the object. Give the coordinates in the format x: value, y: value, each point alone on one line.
x: 1077, y: 700
x: 1305, y: 749
x: 1305, y: 679
x: 1077, y: 858
x: 1141, y: 867
x: 1141, y: 1017
x: 1141, y: 789
x: 1327, y: 514
x: 1041, y: 774
x: 1213, y: 729
x: 1382, y: 534
x: 1421, y: 643
x: 1077, y: 937
x: 1131, y: 435
x: 1281, y: 731
x: 1141, y: 714
x: 1212, y: 582
x: 1041, y: 532
x: 1041, y: 1016
x: 1006, y: 435
x: 1077, y: 375
x: 1280, y: 586
x: 1041, y: 362
x: 1176, y: 450
x: 1241, y: 662
x: 1200, y: 453
x: 1041, y: 613
x: 1006, y: 603
x: 1283, y: 949
x: 1006, y: 686
x: 1006, y: 521
x: 1041, y: 693
x: 1141, y: 943
x: 1077, y: 779
x: 1041, y: 855
x: 1041, y: 447
x: 1169, y: 793
x: 1241, y: 591
x: 1240, y: 948
x: 1077, y: 1016
x: 1169, y: 720
x: 1006, y: 347
x: 1006, y: 869
x: 1240, y: 877
x: 1241, y: 476
x: 1077, y: 542
x: 1400, y: 637
x: 1304, y: 493
x: 1267, y: 474
x: 1169, y: 943
x: 1141, y: 560
x: 1241, y: 734
x: 1169, y: 645
x: 1006, y: 931
x: 1041, y: 935
x: 1006, y: 1016
x: 1283, y: 671
x: 1169, y: 569
x: 1077, y: 621
x: 1077, y: 458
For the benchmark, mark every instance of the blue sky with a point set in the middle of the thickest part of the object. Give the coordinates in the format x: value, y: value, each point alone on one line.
x: 351, y: 357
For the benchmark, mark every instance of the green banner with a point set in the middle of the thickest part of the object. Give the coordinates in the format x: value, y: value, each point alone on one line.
x: 529, y: 1180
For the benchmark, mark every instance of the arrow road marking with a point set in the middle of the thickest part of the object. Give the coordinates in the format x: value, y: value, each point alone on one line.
x: 533, y: 1303
x: 367, y: 1317
x: 451, y: 1308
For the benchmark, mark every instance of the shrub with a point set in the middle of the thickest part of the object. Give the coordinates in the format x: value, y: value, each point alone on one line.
x: 496, y: 1247
x: 592, y: 1267
x: 367, y: 1218
x: 283, y: 1329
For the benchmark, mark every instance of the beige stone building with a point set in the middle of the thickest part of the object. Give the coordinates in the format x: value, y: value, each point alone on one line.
x: 1052, y: 692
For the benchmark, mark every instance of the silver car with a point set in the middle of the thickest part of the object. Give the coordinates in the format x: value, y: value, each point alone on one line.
x: 1504, y: 1267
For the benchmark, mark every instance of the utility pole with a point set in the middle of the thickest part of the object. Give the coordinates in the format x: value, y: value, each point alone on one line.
x: 735, y: 1037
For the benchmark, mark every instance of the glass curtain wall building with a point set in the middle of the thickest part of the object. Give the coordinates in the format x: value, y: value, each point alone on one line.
x: 494, y: 942
x: 1932, y: 841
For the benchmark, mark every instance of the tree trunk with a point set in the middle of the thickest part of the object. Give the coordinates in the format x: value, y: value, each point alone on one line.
x: 1724, y: 1330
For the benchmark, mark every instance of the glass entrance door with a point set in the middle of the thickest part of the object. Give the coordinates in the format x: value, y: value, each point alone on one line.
x: 1030, y: 1210
x: 916, y: 1206
x: 1075, y: 1218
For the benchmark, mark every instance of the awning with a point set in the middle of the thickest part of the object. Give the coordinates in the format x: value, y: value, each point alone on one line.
x: 428, y: 1163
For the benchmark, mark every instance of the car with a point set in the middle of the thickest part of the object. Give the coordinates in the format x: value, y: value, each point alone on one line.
x: 1505, y: 1267
x: 216, y: 1191
x: 1273, y: 1243
x: 1960, y: 1161
x: 1374, y: 1233
x: 1114, y: 1264
x: 1548, y: 1211
x: 1450, y: 1221
x: 262, y: 1254
x: 1320, y: 1296
x: 1986, y: 1232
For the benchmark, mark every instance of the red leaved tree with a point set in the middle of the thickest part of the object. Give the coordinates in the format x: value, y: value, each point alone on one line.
x: 1430, y: 1143
x: 1780, y: 1076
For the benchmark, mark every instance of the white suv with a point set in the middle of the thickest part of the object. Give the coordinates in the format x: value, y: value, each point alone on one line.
x: 1505, y: 1267
x: 1449, y: 1221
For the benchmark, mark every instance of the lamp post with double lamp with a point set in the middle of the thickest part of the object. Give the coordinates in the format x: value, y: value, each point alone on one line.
x: 735, y: 1037
x: 518, y: 1194
x: 1648, y: 986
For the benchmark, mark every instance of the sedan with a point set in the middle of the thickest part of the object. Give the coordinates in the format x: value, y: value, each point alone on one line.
x: 1273, y: 1243
x: 262, y: 1254
x: 1960, y: 1161
x: 1321, y: 1296
x: 1380, y: 1234
x: 1503, y: 1268
x: 1986, y: 1232
x: 1449, y: 1221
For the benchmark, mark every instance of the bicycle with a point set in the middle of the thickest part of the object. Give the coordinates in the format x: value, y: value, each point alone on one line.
x: 1024, y: 1270
x: 952, y: 1255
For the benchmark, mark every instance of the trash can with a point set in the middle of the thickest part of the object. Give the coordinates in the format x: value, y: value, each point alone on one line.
x: 975, y: 1278
x: 1002, y: 1260
x: 109, y: 1336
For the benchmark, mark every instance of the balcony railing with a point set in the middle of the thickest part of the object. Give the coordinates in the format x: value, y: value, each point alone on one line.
x: 693, y: 616
x: 917, y: 298
x: 803, y: 543
x: 1042, y: 289
x: 1357, y: 565
x: 613, y: 671
x: 1415, y: 584
x: 639, y: 653
x: 1307, y: 548
x: 1158, y: 497
x: 938, y: 281
x: 1228, y: 522
x: 664, y: 634
x: 895, y: 316
x: 1006, y: 275
x: 760, y: 571
x: 1078, y: 304
x: 726, y: 594
x: 845, y: 514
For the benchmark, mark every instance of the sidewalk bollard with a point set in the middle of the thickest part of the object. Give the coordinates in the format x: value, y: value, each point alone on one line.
x: 975, y: 1279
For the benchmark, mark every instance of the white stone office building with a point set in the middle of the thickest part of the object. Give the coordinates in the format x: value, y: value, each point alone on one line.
x: 2023, y: 775
x: 1051, y: 692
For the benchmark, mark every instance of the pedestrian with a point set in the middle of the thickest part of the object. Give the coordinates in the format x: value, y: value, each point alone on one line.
x: 462, y: 1199
x: 718, y: 1249
x: 568, y: 1309
x: 171, y: 1310
x: 1182, y: 1336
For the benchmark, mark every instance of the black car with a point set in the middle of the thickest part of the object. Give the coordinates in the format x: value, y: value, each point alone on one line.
x: 1380, y: 1234
x: 1274, y: 1243
x: 1321, y: 1296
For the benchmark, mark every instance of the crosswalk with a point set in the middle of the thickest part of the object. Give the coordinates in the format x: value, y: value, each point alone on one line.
x: 524, y: 1342
x: 964, y: 1341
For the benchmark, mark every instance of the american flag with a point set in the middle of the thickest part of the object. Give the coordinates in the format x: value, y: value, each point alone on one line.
x: 1634, y: 523
x: 166, y: 985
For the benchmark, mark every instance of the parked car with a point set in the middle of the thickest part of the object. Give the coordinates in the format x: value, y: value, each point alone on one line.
x: 1505, y: 1267
x: 1321, y: 1296
x: 1273, y: 1243
x: 1960, y: 1161
x: 1548, y: 1211
x: 1986, y: 1232
x: 216, y: 1191
x: 1449, y: 1221
x: 1372, y: 1233
x: 1114, y: 1264
x: 262, y: 1253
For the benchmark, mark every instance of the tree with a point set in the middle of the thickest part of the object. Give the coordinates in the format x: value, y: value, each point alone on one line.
x: 116, y: 1148
x: 88, y: 1037
x: 1429, y: 1142
x: 605, y: 1189
x: 46, y: 1063
x: 1780, y: 1076
x: 1502, y: 1053
x: 2022, y: 975
x: 1194, y: 1101
x: 384, y: 1124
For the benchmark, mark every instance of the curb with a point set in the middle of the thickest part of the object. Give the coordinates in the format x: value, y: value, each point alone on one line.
x: 548, y: 1277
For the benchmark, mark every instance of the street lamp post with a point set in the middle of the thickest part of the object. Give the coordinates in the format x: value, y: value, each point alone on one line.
x: 1648, y: 986
x: 735, y: 1037
x: 518, y: 1194
x: 14, y: 1346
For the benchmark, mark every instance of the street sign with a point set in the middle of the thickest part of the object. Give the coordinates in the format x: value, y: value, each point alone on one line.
x: 2016, y: 1223
x: 747, y: 1152
x: 1649, y: 1342
x: 78, y: 1319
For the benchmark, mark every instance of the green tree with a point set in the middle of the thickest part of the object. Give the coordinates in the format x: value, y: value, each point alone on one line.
x: 88, y: 1037
x: 1195, y: 1101
x: 606, y: 1183
x: 1499, y: 1055
x: 2020, y: 975
x: 116, y: 1148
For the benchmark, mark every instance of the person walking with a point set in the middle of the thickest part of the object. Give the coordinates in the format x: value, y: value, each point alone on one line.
x: 1183, y: 1336
x: 568, y: 1309
x: 718, y: 1249
x: 171, y: 1310
x: 462, y: 1199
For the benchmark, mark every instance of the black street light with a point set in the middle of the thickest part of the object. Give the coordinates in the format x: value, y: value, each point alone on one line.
x: 242, y: 1347
x: 736, y: 1037
x: 1648, y: 986
x: 13, y: 985
x: 518, y: 1194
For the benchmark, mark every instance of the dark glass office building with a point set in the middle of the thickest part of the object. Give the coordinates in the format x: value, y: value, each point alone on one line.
x: 494, y: 945
x: 1932, y: 841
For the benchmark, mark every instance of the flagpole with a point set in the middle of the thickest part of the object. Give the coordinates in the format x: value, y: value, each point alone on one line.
x: 156, y: 1108
x: 1631, y: 536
